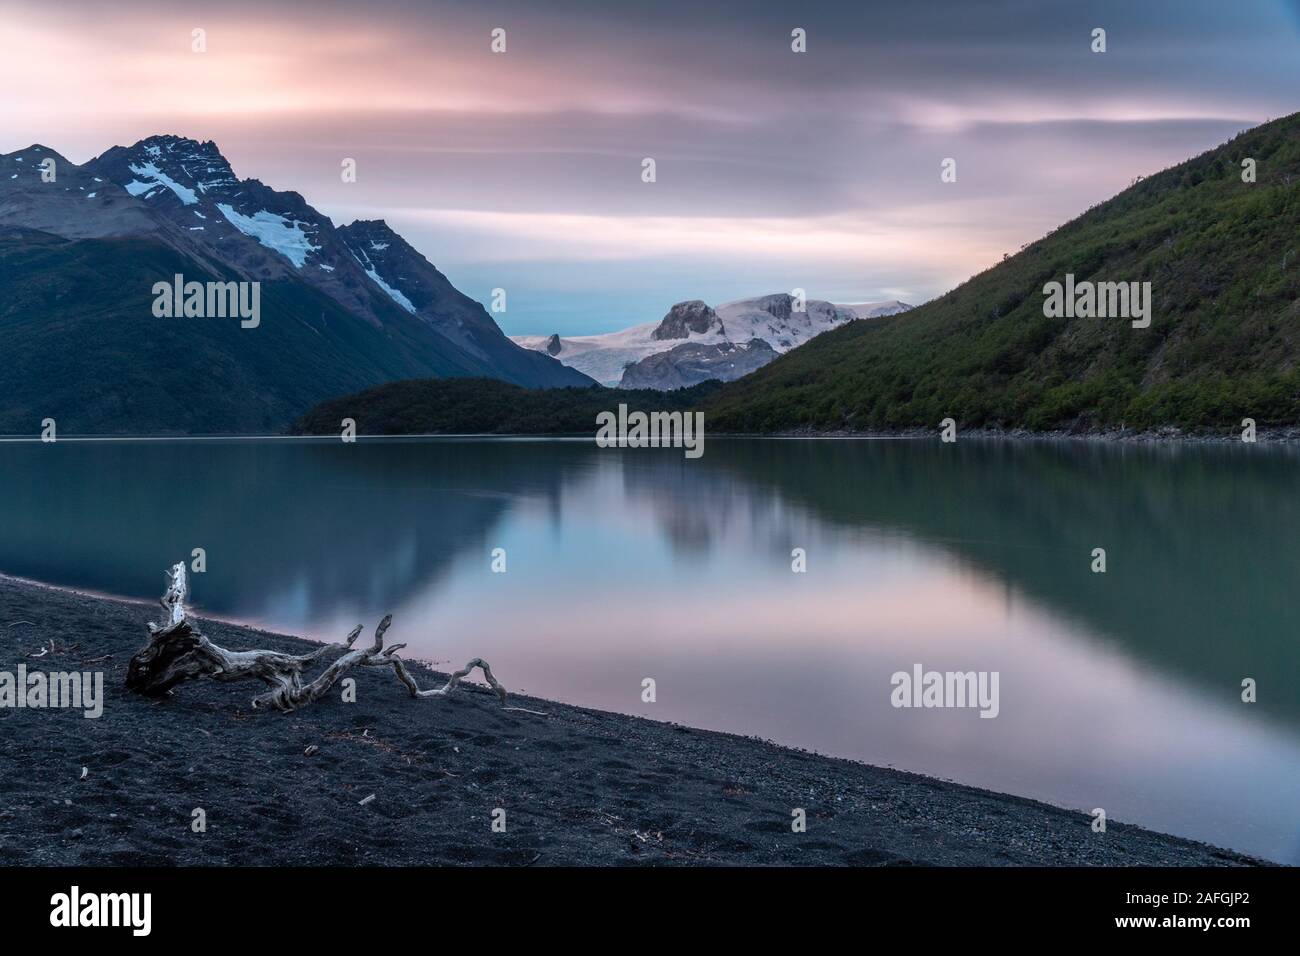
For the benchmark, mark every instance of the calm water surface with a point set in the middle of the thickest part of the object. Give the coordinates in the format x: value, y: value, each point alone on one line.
x: 1118, y: 690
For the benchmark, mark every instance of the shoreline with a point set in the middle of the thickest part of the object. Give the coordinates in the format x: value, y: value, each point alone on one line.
x: 1160, y: 436
x: 1166, y: 435
x: 1289, y: 437
x: 579, y: 786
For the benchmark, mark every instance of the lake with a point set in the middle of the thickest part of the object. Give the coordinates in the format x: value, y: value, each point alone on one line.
x: 1120, y: 690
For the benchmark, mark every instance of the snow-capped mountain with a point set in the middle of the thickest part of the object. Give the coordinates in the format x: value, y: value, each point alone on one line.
x: 770, y: 319
x: 262, y: 232
x: 267, y: 234
x: 876, y: 310
x: 693, y: 362
x: 81, y: 250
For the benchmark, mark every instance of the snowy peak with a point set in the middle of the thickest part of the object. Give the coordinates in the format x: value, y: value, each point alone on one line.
x: 262, y: 233
x: 877, y: 310
x: 685, y: 319
x: 402, y: 273
x: 170, y: 169
x: 776, y: 320
x: 375, y: 232
x: 370, y: 242
x: 406, y: 277
x: 779, y: 305
x: 200, y: 165
x: 726, y: 342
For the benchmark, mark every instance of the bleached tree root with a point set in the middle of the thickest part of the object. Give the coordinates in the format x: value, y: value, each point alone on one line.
x: 177, y: 652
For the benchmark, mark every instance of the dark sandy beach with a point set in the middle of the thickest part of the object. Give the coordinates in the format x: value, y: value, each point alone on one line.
x: 579, y: 787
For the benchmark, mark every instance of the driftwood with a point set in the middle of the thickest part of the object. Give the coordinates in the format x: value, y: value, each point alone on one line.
x: 177, y: 652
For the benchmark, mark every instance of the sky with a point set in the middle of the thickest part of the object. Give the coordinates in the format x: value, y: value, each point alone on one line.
x: 775, y: 170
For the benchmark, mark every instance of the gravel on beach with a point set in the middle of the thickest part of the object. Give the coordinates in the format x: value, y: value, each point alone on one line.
x: 392, y: 780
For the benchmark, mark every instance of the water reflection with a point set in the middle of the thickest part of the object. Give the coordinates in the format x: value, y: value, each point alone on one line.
x: 1118, y: 690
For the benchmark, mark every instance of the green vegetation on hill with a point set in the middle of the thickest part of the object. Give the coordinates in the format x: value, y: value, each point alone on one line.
x: 81, y: 345
x: 1223, y: 260
x: 480, y: 406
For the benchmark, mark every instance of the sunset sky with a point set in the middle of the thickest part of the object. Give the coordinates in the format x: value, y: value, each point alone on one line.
x: 775, y: 170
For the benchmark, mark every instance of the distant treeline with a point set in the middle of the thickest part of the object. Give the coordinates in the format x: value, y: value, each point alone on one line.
x: 479, y: 406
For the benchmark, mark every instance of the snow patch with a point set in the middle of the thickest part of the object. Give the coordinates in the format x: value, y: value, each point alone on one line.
x: 275, y: 232
x: 393, y: 294
x: 158, y: 178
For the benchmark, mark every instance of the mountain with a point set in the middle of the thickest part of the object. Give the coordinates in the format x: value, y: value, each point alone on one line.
x: 685, y: 319
x: 1223, y: 262
x: 876, y: 310
x: 770, y: 318
x: 694, y: 362
x: 80, y: 255
x: 415, y: 285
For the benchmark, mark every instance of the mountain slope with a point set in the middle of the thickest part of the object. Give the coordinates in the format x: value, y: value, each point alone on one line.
x: 79, y: 257
x: 82, y: 346
x: 693, y: 362
x: 419, y: 288
x: 78, y: 205
x: 1223, y: 259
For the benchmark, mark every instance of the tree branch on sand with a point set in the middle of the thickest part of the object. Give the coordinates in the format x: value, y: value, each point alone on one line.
x: 177, y: 652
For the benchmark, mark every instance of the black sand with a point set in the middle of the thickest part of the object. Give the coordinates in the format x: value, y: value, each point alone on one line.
x: 578, y: 786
